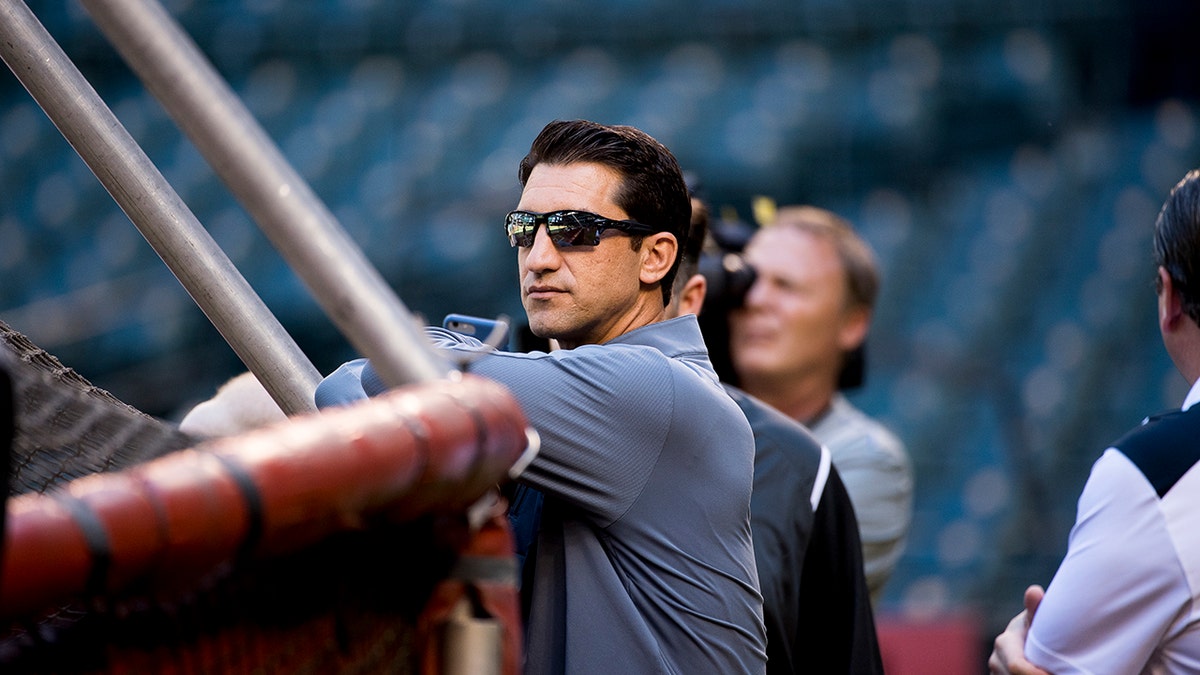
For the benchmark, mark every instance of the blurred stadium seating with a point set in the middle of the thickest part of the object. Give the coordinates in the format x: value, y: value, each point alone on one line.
x: 1005, y: 159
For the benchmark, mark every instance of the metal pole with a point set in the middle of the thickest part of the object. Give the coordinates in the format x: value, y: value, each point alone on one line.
x: 342, y: 280
x: 157, y: 211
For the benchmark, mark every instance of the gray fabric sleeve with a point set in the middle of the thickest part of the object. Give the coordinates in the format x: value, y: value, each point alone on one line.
x: 603, y: 413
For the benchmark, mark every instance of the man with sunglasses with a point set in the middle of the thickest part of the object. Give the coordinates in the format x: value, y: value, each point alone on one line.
x: 643, y: 561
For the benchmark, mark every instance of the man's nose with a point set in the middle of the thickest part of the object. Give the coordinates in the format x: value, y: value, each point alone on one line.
x: 543, y: 254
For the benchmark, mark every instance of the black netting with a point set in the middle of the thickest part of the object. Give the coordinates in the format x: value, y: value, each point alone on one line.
x: 66, y: 427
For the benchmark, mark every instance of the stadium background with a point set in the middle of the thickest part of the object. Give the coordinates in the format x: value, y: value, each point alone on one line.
x: 1006, y: 161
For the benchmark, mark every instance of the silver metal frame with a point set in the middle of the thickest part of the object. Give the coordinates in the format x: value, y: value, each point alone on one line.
x: 343, y: 281
x: 340, y: 277
x: 156, y: 209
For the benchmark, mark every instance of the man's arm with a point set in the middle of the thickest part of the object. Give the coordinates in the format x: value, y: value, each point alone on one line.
x: 341, y: 387
x: 1008, y: 651
x: 592, y: 406
x: 1120, y: 586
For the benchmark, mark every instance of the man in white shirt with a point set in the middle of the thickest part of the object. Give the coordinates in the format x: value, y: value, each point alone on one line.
x: 1125, y: 598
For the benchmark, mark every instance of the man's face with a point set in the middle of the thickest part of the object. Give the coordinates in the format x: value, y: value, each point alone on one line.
x: 795, y: 321
x: 577, y: 294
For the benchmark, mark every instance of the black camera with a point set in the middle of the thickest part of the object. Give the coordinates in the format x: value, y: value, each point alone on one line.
x: 728, y: 277
x: 727, y: 274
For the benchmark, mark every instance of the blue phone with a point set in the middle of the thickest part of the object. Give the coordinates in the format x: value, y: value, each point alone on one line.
x: 477, y: 327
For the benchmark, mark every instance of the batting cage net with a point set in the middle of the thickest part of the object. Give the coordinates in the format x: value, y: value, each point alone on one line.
x: 360, y: 540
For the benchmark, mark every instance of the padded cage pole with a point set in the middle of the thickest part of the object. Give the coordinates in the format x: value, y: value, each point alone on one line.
x: 168, y: 524
x: 155, y: 208
x: 341, y: 278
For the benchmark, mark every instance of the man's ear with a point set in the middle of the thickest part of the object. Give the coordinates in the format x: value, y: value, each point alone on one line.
x: 1170, y: 304
x: 658, y: 254
x: 855, y: 324
x: 691, y: 296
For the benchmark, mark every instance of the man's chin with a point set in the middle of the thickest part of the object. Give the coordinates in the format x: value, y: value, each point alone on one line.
x: 543, y: 329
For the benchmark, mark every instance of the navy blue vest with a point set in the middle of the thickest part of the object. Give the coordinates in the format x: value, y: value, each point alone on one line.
x: 1165, y: 447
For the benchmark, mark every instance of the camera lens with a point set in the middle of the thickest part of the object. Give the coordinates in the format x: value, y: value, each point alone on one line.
x: 729, y: 278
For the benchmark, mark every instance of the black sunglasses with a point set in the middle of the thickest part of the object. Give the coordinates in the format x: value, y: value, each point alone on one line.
x: 566, y: 228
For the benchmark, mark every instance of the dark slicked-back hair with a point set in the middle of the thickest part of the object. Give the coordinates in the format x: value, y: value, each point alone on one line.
x: 1177, y: 240
x: 652, y: 190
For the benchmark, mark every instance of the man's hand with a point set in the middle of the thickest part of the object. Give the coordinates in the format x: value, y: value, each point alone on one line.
x: 1008, y: 653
